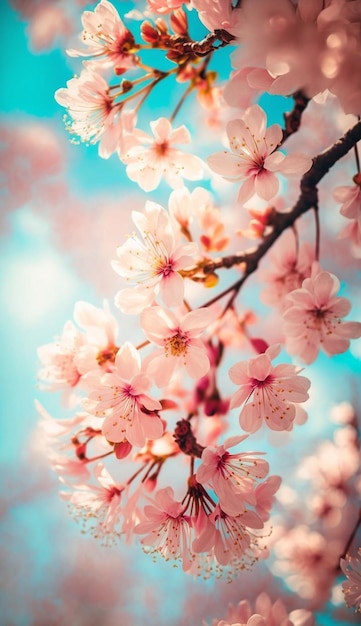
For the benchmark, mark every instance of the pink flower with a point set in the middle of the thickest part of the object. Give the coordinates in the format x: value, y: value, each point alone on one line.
x: 100, y: 331
x: 351, y: 567
x: 59, y: 361
x: 75, y: 353
x: 154, y: 264
x: 313, y: 319
x: 216, y: 14
x: 179, y: 341
x: 233, y: 477
x: 96, y: 117
x: 268, y: 393
x: 265, y: 492
x: 168, y: 531
x: 307, y: 562
x: 287, y: 265
x: 108, y: 41
x: 121, y: 400
x: 149, y: 158
x: 97, y: 507
x: 254, y: 157
x: 230, y: 539
x: 271, y: 613
x: 351, y: 209
x: 165, y: 6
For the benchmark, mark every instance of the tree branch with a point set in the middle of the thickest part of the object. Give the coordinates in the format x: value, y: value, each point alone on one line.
x: 306, y: 201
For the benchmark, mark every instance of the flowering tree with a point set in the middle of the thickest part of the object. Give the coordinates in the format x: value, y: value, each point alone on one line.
x: 232, y: 288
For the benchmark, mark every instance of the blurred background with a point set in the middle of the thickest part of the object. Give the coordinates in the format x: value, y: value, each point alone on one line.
x: 63, y: 212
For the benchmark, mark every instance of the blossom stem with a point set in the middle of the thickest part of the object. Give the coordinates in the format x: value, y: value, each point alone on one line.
x: 181, y: 102
x: 100, y: 456
x: 142, y: 345
x: 317, y: 226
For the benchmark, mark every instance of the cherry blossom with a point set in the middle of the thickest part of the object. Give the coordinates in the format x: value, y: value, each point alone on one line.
x: 271, y: 613
x: 309, y: 46
x: 167, y: 529
x: 95, y: 116
x: 254, y: 157
x: 216, y: 14
x: 100, y: 332
x: 165, y: 6
x: 120, y: 399
x: 108, y: 41
x: 231, y: 538
x: 307, y: 561
x: 288, y: 264
x: 232, y: 476
x: 192, y: 209
x: 148, y: 158
x: 99, y: 508
x: 267, y: 393
x: 351, y: 209
x: 351, y: 567
x: 180, y: 343
x: 155, y: 263
x: 150, y: 454
x: 77, y: 352
x: 313, y: 321
x: 59, y: 367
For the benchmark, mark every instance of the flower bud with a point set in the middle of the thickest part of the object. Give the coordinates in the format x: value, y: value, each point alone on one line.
x: 149, y: 33
x: 179, y: 22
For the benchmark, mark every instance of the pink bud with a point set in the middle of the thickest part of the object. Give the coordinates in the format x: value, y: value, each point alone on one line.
x: 260, y: 345
x: 149, y: 33
x: 122, y: 449
x: 179, y: 22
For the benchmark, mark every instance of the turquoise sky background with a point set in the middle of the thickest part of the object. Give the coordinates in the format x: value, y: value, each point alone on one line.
x: 51, y: 574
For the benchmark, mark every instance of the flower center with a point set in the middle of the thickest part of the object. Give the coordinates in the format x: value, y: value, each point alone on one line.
x: 161, y: 149
x: 176, y: 345
x: 256, y: 383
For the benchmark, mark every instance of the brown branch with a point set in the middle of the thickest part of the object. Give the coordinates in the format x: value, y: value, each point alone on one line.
x: 293, y: 118
x: 306, y: 201
x: 185, y: 439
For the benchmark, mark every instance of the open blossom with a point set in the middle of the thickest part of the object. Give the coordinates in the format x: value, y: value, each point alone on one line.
x: 165, y: 6
x: 180, y: 343
x: 98, y: 507
x: 271, y: 614
x: 154, y: 262
x: 314, y: 318
x: 307, y: 562
x: 351, y: 567
x: 60, y: 370
x: 77, y: 352
x: 120, y: 399
x: 167, y: 530
x: 95, y: 117
x: 216, y: 14
x: 288, y: 264
x: 230, y: 538
x: 309, y: 45
x: 100, y: 330
x: 351, y: 209
x: 148, y: 158
x: 232, y: 476
x: 254, y: 157
x: 108, y: 41
x: 267, y: 392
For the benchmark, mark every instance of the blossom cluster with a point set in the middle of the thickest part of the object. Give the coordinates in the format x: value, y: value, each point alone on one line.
x: 147, y: 452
